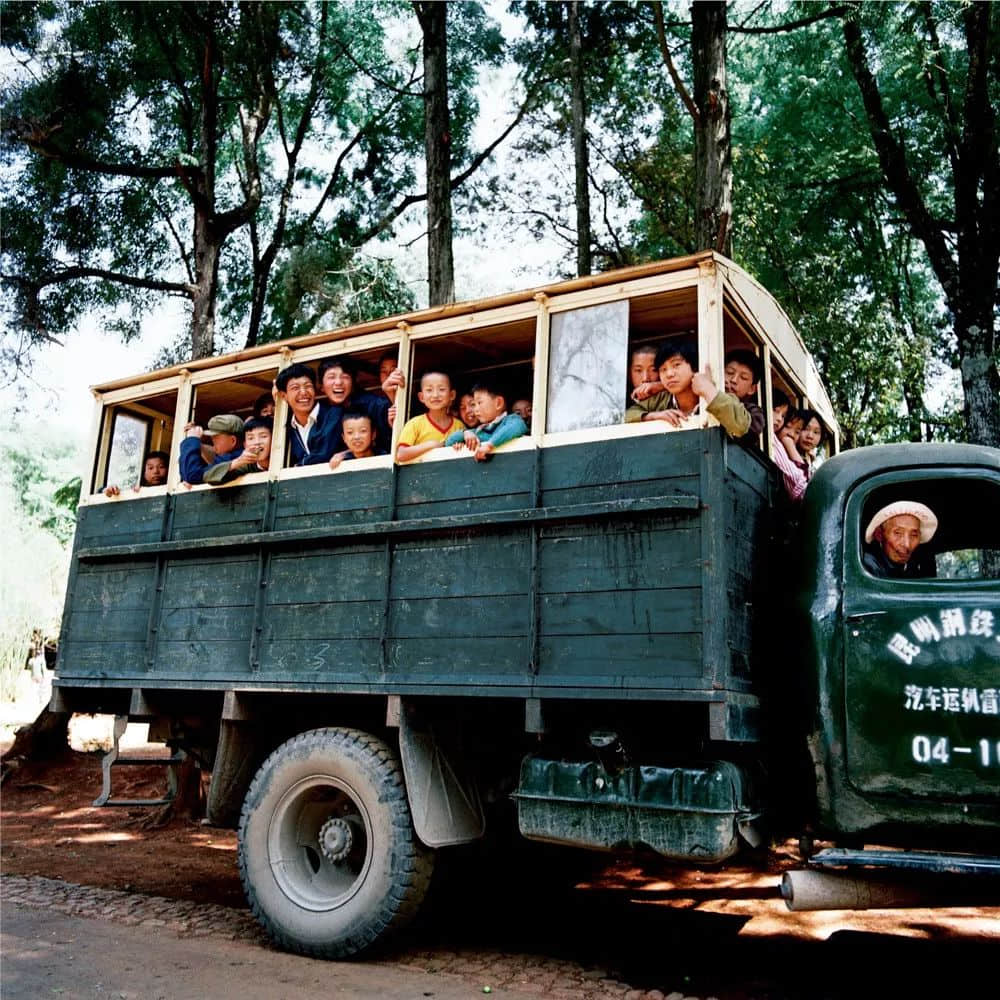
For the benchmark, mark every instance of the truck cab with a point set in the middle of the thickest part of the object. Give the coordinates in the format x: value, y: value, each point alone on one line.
x: 903, y: 674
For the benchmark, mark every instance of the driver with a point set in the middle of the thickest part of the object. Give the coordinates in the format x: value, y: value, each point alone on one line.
x: 893, y: 537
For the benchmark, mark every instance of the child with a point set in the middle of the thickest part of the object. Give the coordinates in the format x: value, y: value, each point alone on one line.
x: 496, y: 425
x: 226, y: 434
x: 789, y: 435
x: 737, y: 406
x: 359, y: 436
x: 683, y: 386
x: 467, y: 410
x: 428, y: 431
x: 256, y: 455
x: 677, y: 401
x: 793, y: 478
x: 154, y: 473
x: 642, y: 373
x: 523, y: 409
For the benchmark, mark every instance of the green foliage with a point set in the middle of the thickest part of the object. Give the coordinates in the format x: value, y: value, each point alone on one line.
x: 38, y: 499
x: 640, y: 150
x: 814, y: 223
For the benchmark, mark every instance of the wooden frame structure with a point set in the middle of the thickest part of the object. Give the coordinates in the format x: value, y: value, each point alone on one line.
x: 725, y: 296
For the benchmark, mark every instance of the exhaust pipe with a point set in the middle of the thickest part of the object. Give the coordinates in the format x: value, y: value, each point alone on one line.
x: 813, y: 890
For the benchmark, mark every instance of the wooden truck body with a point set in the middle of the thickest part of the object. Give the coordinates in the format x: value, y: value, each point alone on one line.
x: 581, y: 635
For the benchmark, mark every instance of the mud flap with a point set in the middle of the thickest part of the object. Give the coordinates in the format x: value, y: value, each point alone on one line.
x: 444, y: 800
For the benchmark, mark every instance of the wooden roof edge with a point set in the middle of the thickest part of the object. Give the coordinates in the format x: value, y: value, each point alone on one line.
x: 427, y: 315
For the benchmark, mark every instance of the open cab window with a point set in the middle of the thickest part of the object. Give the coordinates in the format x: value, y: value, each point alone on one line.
x: 346, y: 380
x: 966, y: 543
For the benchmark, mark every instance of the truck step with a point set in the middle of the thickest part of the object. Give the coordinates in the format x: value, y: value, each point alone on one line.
x: 113, y: 759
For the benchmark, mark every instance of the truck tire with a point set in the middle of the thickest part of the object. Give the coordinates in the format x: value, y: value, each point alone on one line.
x: 327, y: 854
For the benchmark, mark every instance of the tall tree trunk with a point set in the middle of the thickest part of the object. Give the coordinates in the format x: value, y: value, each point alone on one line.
x: 968, y: 276
x: 713, y: 150
x: 205, y: 239
x: 580, y: 151
x: 437, y: 142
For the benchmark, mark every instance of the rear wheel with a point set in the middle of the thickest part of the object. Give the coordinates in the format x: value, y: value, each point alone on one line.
x: 327, y: 854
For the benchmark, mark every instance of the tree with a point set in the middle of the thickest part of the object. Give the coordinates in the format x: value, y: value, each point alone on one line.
x: 939, y: 158
x: 116, y: 141
x: 580, y: 151
x: 135, y: 125
x: 433, y: 19
x: 817, y: 227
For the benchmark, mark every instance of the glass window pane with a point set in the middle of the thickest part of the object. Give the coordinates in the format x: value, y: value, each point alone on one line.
x: 588, y: 367
x: 127, y: 445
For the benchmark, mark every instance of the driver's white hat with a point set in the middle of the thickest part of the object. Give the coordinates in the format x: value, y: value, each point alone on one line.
x: 926, y: 517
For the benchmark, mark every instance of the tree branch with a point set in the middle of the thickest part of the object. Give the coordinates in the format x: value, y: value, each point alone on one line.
x: 773, y: 29
x: 73, y: 273
x: 893, y: 160
x: 35, y: 137
x: 661, y: 35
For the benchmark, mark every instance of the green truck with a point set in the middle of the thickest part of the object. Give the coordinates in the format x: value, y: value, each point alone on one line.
x: 608, y: 634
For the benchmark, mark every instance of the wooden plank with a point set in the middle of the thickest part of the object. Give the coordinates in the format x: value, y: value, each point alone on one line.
x: 137, y: 521
x: 449, y: 660
x: 748, y: 467
x: 112, y: 624
x: 458, y: 617
x: 330, y: 660
x: 642, y: 612
x: 438, y: 482
x: 353, y: 574
x: 714, y: 564
x: 336, y: 620
x: 183, y: 409
x: 620, y: 461
x: 362, y: 491
x: 102, y: 659
x: 647, y: 560
x: 612, y: 658
x: 635, y: 489
x: 223, y: 583
x: 204, y: 659
x: 470, y: 506
x: 484, y: 566
x: 540, y: 384
x: 113, y: 585
x: 219, y: 513
x: 192, y: 624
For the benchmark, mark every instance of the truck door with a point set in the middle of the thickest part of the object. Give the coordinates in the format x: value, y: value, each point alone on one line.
x: 922, y: 656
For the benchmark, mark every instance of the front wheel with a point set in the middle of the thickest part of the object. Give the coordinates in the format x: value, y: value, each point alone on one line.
x: 327, y: 854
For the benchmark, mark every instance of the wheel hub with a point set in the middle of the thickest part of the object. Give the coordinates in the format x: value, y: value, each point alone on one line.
x: 336, y: 839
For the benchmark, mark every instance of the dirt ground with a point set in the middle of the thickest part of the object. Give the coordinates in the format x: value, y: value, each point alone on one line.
x: 628, y: 917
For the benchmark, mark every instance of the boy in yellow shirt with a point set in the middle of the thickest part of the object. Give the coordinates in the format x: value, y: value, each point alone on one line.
x: 428, y: 431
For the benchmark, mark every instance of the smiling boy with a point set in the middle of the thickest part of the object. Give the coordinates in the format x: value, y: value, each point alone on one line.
x: 496, y: 425
x: 310, y: 435
x: 256, y: 456
x: 428, y: 431
x: 337, y: 378
x: 359, y: 436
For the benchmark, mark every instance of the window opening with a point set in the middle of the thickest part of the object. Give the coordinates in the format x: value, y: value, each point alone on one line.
x: 247, y: 398
x: 966, y: 542
x: 502, y: 354
x: 133, y: 431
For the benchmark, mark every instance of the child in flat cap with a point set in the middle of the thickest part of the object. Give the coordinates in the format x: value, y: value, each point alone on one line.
x: 226, y: 434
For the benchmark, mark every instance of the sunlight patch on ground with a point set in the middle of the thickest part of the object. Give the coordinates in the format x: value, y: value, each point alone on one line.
x: 108, y: 837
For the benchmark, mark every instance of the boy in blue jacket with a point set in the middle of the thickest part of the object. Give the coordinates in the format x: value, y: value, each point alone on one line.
x: 496, y: 425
